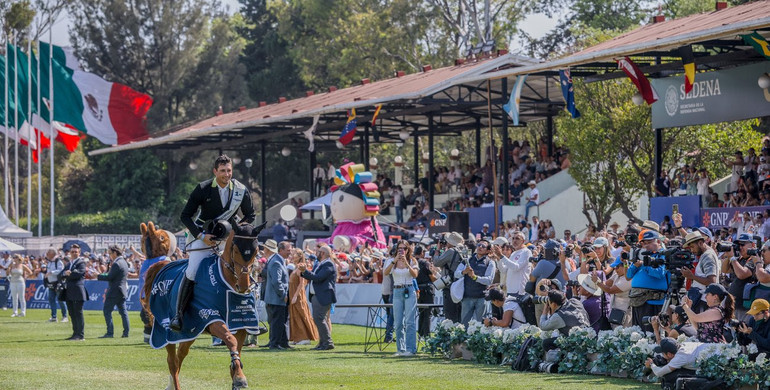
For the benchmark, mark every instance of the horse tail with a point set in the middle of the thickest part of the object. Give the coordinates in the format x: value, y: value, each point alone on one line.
x: 149, y: 278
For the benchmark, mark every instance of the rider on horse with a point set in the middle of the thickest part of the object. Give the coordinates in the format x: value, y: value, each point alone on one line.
x: 219, y: 198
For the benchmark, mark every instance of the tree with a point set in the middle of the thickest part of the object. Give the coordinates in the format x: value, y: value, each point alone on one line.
x: 182, y: 53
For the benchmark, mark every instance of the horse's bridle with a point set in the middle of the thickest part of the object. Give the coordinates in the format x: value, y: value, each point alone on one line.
x: 230, y: 266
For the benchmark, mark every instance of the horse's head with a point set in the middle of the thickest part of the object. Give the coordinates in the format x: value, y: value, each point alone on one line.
x: 240, y: 251
x: 156, y: 242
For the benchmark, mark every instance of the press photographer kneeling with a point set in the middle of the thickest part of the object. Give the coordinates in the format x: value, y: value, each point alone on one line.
x: 675, y: 361
x: 757, y: 330
x: 512, y: 316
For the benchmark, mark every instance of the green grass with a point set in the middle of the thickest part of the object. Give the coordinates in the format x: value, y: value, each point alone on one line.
x: 36, y: 356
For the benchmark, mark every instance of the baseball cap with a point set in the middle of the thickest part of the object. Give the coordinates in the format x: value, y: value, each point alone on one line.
x: 494, y: 295
x: 716, y: 289
x: 758, y: 306
x: 616, y: 263
x: 500, y: 241
x: 649, y: 235
x: 745, y: 238
x: 667, y: 345
x: 485, y: 225
x: 706, y: 232
x: 532, y: 183
x: 600, y: 242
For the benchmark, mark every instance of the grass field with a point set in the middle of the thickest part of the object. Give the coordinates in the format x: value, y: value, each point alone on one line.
x: 36, y: 356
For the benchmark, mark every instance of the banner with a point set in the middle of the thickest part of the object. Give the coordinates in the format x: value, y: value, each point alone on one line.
x: 689, y: 207
x: 721, y: 96
x: 36, y: 295
x: 717, y: 218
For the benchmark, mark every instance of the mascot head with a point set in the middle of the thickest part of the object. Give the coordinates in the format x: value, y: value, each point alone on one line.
x: 156, y: 242
x: 354, y: 195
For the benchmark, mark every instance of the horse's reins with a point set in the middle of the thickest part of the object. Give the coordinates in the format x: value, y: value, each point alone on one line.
x: 230, y: 266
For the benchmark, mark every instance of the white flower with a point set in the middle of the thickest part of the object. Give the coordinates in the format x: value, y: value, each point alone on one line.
x: 752, y: 348
x: 761, y: 358
x: 474, y: 326
x: 459, y: 326
x: 446, y: 324
x: 635, y: 336
x: 498, y: 333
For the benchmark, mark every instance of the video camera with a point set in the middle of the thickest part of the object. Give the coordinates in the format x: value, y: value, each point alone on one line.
x: 674, y: 258
x: 630, y: 239
x: 663, y: 319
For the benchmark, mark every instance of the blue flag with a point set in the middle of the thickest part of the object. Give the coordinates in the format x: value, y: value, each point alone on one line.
x: 568, y: 92
x: 512, y: 107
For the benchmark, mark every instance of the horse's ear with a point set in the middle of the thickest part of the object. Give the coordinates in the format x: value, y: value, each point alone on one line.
x: 143, y: 228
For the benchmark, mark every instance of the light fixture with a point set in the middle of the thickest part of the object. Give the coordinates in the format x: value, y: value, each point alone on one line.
x: 249, y: 162
x: 637, y: 99
x: 764, y: 81
x: 454, y: 154
x: 404, y: 135
x: 286, y: 152
x: 398, y: 161
x: 373, y: 162
x: 339, y: 145
x: 425, y: 157
x: 193, y: 165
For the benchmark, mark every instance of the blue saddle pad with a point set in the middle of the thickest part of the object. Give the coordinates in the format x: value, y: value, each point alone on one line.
x: 214, y: 300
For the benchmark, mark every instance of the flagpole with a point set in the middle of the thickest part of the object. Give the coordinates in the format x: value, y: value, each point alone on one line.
x: 16, y: 126
x: 29, y: 136
x: 39, y: 153
x: 6, y: 87
x: 50, y: 114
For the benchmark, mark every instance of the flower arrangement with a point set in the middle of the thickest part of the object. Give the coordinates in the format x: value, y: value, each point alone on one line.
x: 575, y: 350
x: 447, y: 335
x: 729, y: 363
x: 484, y: 342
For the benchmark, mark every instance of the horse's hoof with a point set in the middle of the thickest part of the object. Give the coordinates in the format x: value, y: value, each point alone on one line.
x: 240, y: 382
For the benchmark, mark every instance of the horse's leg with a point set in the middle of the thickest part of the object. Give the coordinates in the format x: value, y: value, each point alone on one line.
x: 240, y: 336
x: 219, y: 330
x: 173, y: 367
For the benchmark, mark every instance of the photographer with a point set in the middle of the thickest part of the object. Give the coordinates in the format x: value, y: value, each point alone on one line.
x: 741, y: 266
x: 426, y: 275
x: 447, y: 258
x: 711, y: 322
x: 595, y: 256
x: 618, y: 287
x: 672, y: 325
x: 514, y: 264
x: 757, y: 330
x: 54, y: 265
x: 705, y: 273
x: 512, y: 316
x: 679, y: 361
x: 562, y: 314
x: 478, y: 273
x: 649, y: 280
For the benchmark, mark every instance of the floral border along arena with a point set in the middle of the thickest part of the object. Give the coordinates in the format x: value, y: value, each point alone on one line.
x: 619, y: 352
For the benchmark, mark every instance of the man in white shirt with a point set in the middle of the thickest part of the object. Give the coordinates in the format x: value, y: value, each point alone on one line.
x: 533, y: 199
x: 681, y: 360
x: 515, y: 264
x: 319, y: 176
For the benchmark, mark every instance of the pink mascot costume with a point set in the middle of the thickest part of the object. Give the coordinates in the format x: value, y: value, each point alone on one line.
x: 355, y: 203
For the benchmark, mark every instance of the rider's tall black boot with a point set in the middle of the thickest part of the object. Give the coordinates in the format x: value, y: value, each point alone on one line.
x: 185, y: 295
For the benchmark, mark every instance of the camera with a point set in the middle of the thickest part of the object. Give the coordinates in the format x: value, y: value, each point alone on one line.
x: 619, y: 244
x: 548, y: 367
x: 631, y: 238
x: 659, y: 360
x: 663, y: 319
x: 573, y: 283
x: 735, y: 323
x: 724, y: 246
x: 568, y: 251
x: 586, y: 249
x: 752, y: 252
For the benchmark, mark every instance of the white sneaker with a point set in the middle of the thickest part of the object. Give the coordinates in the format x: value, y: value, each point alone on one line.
x: 23, y: 315
x: 65, y: 319
x: 399, y: 354
x: 14, y: 315
x: 52, y: 319
x: 407, y: 354
x: 303, y: 342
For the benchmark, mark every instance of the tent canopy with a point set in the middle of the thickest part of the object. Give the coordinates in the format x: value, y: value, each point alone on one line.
x: 8, y: 229
x: 7, y: 246
x: 319, y: 203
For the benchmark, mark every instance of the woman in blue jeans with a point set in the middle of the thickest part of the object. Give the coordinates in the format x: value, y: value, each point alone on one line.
x: 404, y: 270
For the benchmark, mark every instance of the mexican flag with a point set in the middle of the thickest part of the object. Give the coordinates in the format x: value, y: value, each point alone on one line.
x: 112, y: 113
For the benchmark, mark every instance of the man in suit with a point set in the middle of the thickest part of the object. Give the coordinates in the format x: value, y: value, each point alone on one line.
x: 277, y: 293
x: 117, y: 291
x: 74, y: 274
x: 219, y: 198
x: 324, y: 278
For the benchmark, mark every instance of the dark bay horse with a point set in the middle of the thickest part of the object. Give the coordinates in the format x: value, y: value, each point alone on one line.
x: 234, y: 267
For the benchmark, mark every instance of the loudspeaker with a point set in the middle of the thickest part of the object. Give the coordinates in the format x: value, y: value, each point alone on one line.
x: 458, y: 221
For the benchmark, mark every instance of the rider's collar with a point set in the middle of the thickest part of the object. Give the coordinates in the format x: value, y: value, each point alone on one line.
x: 215, y: 184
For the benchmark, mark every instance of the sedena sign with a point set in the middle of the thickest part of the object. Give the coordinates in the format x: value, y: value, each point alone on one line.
x: 721, y: 96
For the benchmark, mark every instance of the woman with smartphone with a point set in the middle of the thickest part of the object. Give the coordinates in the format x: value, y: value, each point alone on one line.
x: 404, y: 269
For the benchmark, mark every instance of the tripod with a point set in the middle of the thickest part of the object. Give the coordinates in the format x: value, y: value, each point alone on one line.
x: 674, y: 293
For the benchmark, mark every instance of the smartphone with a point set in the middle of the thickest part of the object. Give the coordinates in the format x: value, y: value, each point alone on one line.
x: 675, y: 208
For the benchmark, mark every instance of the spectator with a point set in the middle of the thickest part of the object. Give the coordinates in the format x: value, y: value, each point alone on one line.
x: 484, y: 233
x: 18, y: 272
x: 618, y: 287
x: 515, y: 264
x: 426, y: 275
x: 404, y: 270
x: 478, y: 274
x: 54, y: 265
x: 117, y: 291
x: 323, y: 287
x: 663, y: 185
x: 737, y: 165
x: 742, y: 268
x: 594, y: 300
x: 757, y: 330
x: 301, y: 329
x: 706, y: 272
x: 533, y: 199
x: 447, y: 258
x: 711, y: 322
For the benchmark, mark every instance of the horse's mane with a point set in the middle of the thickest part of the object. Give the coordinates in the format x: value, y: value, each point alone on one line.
x: 152, y: 272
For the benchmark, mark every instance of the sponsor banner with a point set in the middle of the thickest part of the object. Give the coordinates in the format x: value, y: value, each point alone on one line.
x: 36, y: 295
x: 717, y: 218
x: 436, y: 224
x: 689, y: 207
x: 720, y: 96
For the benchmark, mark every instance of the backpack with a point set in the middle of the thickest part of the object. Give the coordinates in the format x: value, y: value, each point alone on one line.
x: 521, y: 363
